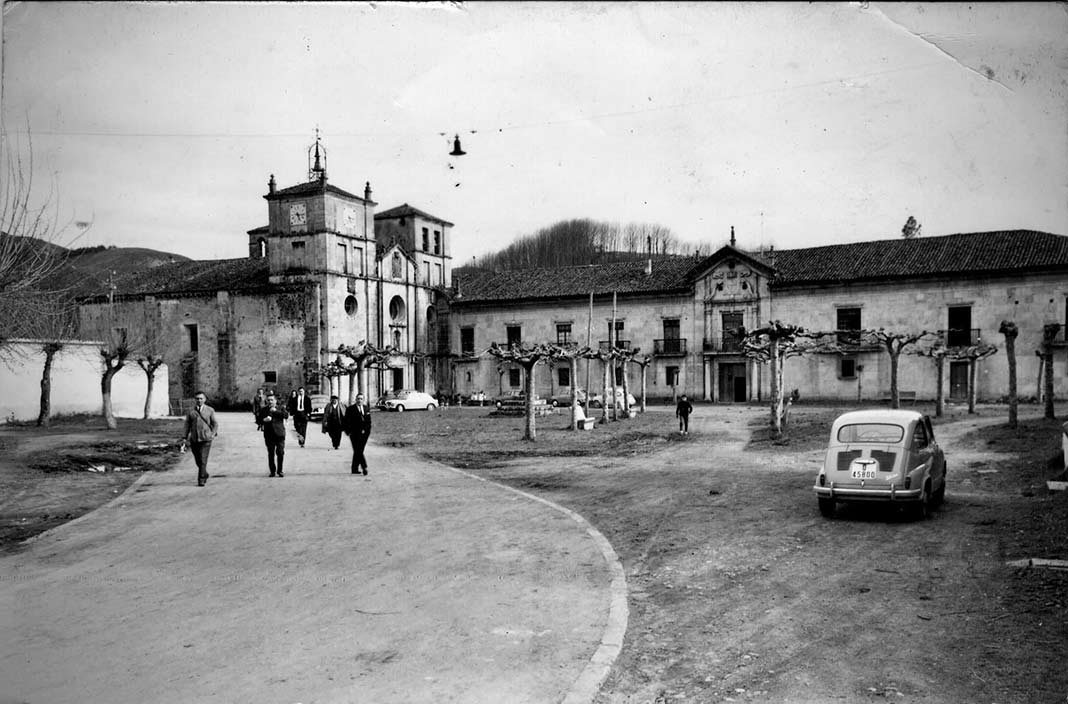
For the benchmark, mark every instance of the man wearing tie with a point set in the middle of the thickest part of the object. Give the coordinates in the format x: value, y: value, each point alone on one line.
x: 358, y: 428
x: 299, y: 408
x: 273, y: 421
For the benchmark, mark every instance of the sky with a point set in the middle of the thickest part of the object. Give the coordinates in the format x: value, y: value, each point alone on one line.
x: 159, y: 124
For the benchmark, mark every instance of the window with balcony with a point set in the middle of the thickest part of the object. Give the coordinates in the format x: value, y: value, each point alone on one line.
x: 848, y: 326
x: 732, y: 323
x: 563, y: 333
x: 514, y: 334
x: 959, y: 332
x: 672, y: 342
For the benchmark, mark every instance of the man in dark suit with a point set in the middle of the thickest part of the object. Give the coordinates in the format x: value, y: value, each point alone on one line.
x: 334, y: 421
x: 273, y: 420
x: 299, y: 408
x: 200, y: 429
x: 358, y: 428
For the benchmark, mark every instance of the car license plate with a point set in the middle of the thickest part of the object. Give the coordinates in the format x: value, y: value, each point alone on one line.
x: 864, y: 474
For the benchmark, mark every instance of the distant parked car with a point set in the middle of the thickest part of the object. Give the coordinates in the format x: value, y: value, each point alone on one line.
x: 565, y: 399
x: 318, y: 405
x: 596, y: 400
x: 508, y: 396
x: 882, y: 456
x: 408, y: 400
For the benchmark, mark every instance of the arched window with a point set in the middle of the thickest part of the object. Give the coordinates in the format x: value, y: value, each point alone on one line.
x: 397, y: 309
x: 263, y: 248
x: 431, y: 316
x: 396, y: 339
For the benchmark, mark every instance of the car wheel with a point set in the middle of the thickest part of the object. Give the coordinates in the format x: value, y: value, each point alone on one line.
x: 939, y: 497
x: 400, y: 408
x: 431, y: 406
x: 826, y: 507
x: 922, y: 510
x: 555, y: 403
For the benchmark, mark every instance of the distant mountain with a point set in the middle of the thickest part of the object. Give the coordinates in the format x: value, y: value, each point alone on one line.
x: 85, y: 271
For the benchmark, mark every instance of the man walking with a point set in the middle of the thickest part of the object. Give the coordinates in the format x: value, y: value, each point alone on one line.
x: 682, y: 412
x: 273, y: 420
x: 334, y: 421
x: 299, y: 408
x: 258, y: 404
x: 358, y: 428
x: 200, y: 429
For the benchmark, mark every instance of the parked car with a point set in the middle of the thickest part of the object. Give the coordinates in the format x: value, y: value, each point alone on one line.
x: 596, y: 401
x: 508, y: 396
x: 565, y: 399
x: 318, y: 404
x: 408, y: 400
x: 882, y: 456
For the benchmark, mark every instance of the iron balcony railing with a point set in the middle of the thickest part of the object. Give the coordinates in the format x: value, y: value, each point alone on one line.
x: 723, y: 343
x: 670, y: 347
x: 620, y: 344
x: 961, y: 337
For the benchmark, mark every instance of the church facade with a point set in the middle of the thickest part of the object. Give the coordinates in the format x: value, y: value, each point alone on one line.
x: 327, y: 270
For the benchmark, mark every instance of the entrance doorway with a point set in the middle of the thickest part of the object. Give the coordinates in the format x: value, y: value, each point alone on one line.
x: 398, y: 379
x: 958, y: 381
x: 733, y: 387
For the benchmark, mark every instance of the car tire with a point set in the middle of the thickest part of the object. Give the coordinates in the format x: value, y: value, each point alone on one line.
x: 827, y: 507
x: 939, y: 497
x: 399, y: 408
x: 431, y: 406
x: 555, y: 403
x: 922, y: 510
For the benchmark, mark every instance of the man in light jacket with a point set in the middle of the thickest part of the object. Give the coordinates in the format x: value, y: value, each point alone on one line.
x: 200, y: 429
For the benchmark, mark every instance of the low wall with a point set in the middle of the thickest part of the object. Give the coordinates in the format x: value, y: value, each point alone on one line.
x: 76, y: 373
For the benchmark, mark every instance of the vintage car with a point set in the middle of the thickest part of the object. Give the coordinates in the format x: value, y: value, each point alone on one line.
x: 882, y: 456
x: 408, y: 400
x: 565, y: 399
x: 318, y: 403
x: 596, y: 402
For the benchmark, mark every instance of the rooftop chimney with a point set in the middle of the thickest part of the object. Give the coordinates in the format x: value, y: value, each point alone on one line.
x: 367, y: 191
x: 271, y: 185
x: 732, y: 236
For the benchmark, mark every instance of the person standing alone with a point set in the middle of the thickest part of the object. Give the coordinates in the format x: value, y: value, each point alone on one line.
x: 682, y: 412
x: 273, y: 420
x: 358, y: 428
x: 334, y: 421
x: 200, y: 429
x: 299, y: 408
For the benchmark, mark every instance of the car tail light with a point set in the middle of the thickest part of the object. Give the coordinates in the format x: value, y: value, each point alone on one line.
x: 823, y: 479
x: 908, y: 481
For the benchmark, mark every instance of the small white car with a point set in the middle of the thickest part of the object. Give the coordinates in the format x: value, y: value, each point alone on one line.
x: 596, y: 402
x: 408, y: 400
x: 882, y: 456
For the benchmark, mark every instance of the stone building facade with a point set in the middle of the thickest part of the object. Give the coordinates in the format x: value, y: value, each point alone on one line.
x: 326, y: 271
x: 958, y: 287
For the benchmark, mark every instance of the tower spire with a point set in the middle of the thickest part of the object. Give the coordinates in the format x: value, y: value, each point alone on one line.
x: 317, y: 160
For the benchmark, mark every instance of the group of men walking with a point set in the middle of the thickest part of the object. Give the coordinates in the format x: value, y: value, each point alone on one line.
x: 270, y: 416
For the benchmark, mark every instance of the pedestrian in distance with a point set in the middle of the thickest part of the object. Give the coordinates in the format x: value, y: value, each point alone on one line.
x: 358, y: 428
x: 334, y: 421
x: 258, y: 404
x: 682, y: 411
x: 273, y: 420
x: 201, y: 427
x: 299, y: 408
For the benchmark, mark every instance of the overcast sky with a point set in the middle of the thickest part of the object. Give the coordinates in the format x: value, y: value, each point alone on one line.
x: 797, y: 124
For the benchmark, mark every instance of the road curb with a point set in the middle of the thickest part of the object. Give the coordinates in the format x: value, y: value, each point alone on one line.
x: 589, y: 681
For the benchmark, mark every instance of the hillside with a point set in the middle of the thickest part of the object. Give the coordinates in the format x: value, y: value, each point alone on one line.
x: 86, y: 271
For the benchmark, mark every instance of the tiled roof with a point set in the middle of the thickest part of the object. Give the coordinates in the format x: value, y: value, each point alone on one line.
x: 668, y: 275
x: 983, y: 253
x: 194, y: 277
x: 405, y: 211
x: 310, y: 188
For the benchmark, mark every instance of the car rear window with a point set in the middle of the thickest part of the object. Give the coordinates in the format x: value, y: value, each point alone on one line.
x: 871, y: 432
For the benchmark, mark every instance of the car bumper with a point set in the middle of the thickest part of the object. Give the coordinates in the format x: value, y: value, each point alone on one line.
x: 851, y: 493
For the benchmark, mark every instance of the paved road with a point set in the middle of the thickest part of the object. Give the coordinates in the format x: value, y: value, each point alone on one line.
x: 417, y: 584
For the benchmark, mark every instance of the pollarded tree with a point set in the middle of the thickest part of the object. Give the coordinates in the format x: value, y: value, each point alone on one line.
x: 894, y: 343
x: 971, y: 354
x: 114, y: 353
x: 775, y: 343
x: 936, y: 350
x: 643, y: 361
x: 527, y: 356
x: 571, y: 353
x: 363, y: 355
x: 1009, y: 329
x: 1045, y: 353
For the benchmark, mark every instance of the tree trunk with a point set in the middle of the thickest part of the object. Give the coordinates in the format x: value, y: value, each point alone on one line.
x: 531, y: 432
x: 604, y: 391
x: 615, y: 415
x: 1014, y: 402
x: 895, y: 395
x: 940, y: 400
x: 776, y: 390
x: 1047, y: 383
x: 45, y: 415
x: 574, y: 393
x: 645, y: 369
x: 105, y: 392
x: 626, y: 392
x: 148, y: 394
x: 972, y: 364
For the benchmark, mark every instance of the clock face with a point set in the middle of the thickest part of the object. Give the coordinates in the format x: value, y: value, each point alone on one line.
x: 349, y: 218
x: 298, y: 215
